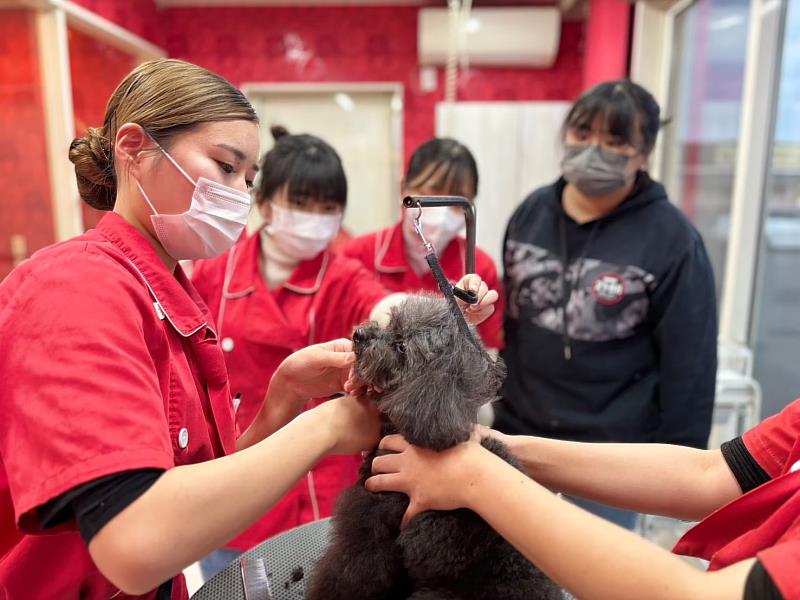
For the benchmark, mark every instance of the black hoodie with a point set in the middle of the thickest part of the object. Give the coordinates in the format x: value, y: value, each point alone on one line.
x: 636, y: 359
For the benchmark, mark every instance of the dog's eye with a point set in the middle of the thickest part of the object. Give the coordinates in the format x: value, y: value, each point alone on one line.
x: 400, y: 347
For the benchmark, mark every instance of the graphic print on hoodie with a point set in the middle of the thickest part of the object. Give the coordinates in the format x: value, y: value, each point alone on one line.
x: 608, y: 302
x: 635, y: 358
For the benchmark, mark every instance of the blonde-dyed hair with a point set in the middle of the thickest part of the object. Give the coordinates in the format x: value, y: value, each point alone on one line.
x: 166, y: 97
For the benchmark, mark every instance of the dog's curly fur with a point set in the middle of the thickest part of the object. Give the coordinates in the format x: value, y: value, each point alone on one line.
x: 434, y: 380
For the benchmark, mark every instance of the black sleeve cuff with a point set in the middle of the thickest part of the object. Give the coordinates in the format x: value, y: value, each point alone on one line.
x: 94, y: 504
x: 759, y: 585
x: 744, y: 467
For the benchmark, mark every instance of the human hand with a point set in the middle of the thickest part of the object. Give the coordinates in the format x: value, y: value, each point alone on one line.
x: 483, y: 309
x: 316, y: 371
x: 431, y: 480
x: 353, y: 422
x: 483, y: 432
x: 355, y: 386
x: 313, y: 372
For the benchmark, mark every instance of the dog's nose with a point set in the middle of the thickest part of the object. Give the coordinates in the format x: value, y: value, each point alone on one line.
x: 359, y: 336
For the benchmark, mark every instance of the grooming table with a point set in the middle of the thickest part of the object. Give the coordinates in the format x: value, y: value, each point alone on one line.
x: 274, y: 570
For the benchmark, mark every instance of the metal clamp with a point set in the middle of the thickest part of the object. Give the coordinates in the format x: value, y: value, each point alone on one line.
x: 418, y: 228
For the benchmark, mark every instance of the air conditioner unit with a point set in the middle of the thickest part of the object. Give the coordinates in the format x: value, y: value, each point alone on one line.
x: 510, y: 37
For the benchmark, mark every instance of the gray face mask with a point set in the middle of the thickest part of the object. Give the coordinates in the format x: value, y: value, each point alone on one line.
x: 593, y: 170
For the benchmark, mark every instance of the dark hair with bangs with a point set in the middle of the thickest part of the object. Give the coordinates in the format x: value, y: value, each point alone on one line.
x: 448, y: 160
x: 308, y: 165
x: 620, y: 102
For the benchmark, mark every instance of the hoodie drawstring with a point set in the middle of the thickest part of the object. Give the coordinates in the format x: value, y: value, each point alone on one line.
x: 567, y: 285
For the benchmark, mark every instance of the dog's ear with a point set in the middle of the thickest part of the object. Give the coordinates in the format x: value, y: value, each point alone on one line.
x: 496, y: 377
x: 430, y: 410
x: 444, y: 377
x: 437, y: 407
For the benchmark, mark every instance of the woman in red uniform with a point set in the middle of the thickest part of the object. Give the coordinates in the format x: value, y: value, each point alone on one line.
x: 115, y: 396
x: 396, y: 257
x: 747, y: 494
x: 281, y: 289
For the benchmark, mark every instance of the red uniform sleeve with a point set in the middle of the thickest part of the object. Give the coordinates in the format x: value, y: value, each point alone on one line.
x: 360, y: 292
x: 781, y: 562
x: 491, y: 330
x: 80, y: 396
x: 771, y: 442
x: 361, y: 249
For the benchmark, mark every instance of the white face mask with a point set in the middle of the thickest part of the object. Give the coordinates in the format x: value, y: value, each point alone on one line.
x: 215, y: 219
x: 301, y: 234
x: 440, y: 225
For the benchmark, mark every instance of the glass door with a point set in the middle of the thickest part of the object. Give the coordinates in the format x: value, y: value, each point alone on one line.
x: 704, y: 108
x: 775, y: 334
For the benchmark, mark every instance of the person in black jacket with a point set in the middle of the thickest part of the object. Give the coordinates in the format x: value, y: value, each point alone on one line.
x: 611, y: 322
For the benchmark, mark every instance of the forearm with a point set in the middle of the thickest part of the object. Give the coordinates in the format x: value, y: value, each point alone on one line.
x: 380, y: 313
x: 648, y: 478
x: 593, y: 559
x: 194, y: 509
x: 280, y: 406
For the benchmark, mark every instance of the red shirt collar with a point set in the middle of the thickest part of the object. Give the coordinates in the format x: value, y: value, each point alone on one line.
x: 245, y: 270
x: 174, y: 293
x: 390, y: 254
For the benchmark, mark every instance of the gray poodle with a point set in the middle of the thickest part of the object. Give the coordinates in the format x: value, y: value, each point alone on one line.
x: 434, y: 379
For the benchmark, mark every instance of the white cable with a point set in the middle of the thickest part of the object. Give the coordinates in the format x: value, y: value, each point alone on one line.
x: 463, y: 46
x: 451, y: 67
x: 312, y: 492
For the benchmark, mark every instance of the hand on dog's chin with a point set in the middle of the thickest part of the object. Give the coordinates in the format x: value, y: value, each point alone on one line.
x: 312, y: 372
x: 356, y: 386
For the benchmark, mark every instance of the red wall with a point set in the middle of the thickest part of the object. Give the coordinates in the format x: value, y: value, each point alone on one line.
x: 25, y: 203
x: 269, y: 44
x: 96, y: 70
x: 333, y: 44
x: 141, y: 17
x: 607, y: 41
x: 282, y: 44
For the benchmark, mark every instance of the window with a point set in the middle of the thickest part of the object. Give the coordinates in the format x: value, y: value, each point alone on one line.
x: 700, y: 144
x: 776, y: 324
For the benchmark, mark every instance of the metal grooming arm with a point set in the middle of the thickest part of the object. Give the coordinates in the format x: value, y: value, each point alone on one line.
x: 469, y: 217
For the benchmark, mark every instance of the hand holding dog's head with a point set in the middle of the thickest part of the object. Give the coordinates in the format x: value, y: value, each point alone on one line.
x: 433, y: 378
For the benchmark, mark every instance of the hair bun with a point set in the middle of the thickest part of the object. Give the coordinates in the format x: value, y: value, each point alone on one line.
x: 94, y: 169
x: 278, y: 131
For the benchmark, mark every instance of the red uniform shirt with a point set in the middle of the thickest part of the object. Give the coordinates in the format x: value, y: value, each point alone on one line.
x: 383, y: 253
x: 324, y: 299
x: 109, y: 364
x: 765, y: 522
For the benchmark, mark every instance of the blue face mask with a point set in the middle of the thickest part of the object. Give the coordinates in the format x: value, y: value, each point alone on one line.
x: 593, y: 170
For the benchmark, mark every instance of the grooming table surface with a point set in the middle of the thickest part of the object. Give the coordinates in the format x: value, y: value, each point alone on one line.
x: 287, y: 559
